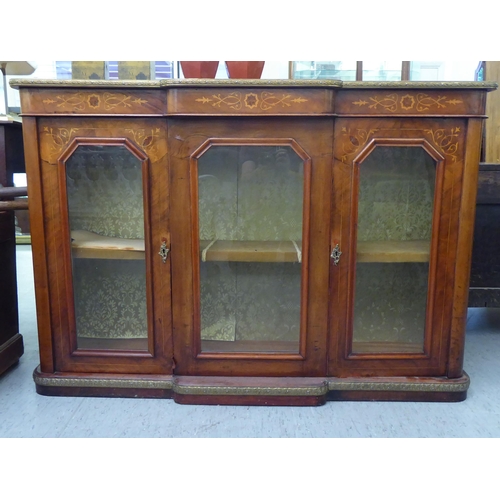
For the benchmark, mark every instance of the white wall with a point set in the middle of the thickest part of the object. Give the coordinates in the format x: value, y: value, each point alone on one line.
x: 45, y: 69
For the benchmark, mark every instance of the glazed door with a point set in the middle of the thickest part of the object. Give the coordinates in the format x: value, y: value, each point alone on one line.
x: 393, y: 245
x: 252, y: 303
x: 105, y: 232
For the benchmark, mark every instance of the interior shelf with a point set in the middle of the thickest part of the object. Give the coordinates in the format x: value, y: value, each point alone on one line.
x: 250, y: 251
x: 250, y: 346
x: 393, y: 251
x: 88, y: 245
x: 386, y: 347
x: 135, y: 344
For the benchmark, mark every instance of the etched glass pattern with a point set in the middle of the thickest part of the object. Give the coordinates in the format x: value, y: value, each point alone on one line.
x: 106, y: 219
x: 395, y: 212
x: 250, y: 230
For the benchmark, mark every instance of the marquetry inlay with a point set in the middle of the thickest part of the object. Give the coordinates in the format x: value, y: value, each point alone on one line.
x: 409, y: 102
x: 81, y: 101
x: 55, y: 140
x: 447, y: 141
x: 151, y: 141
x: 352, y: 142
x: 263, y: 100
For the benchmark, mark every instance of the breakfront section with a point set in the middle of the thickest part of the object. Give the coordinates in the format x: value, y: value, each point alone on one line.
x: 404, y: 174
x: 98, y: 189
x: 251, y: 171
x: 251, y: 241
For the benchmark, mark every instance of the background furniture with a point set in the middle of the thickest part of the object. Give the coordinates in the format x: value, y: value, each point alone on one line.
x: 485, y: 273
x: 485, y: 270
x: 11, y: 160
x: 491, y: 152
x: 262, y: 242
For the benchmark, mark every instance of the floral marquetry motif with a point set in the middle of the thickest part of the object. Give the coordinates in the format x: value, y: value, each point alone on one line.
x: 405, y: 100
x: 81, y: 101
x: 94, y: 100
x: 150, y: 141
x: 418, y: 102
x: 232, y: 100
x: 447, y: 141
x: 55, y: 139
x: 251, y: 100
x: 352, y: 142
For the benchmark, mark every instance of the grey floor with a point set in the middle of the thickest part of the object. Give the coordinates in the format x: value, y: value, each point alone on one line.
x: 23, y: 413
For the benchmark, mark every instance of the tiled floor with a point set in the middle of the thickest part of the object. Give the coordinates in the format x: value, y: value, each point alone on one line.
x: 23, y: 413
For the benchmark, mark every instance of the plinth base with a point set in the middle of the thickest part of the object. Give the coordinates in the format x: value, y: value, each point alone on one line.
x: 271, y: 391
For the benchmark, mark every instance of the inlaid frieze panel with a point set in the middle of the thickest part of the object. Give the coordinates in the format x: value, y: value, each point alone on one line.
x: 256, y: 101
x: 93, y: 101
x: 417, y: 102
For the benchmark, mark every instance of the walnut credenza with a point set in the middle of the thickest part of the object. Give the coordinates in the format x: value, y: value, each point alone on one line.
x: 252, y: 241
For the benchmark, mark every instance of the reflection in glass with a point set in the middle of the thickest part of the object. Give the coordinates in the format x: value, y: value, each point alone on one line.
x: 106, y: 219
x: 335, y: 70
x: 374, y: 71
x: 250, y: 229
x: 443, y: 70
x: 395, y: 210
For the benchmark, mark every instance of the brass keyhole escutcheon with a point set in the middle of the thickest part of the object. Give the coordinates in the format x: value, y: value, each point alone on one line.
x: 335, y: 255
x: 164, y: 251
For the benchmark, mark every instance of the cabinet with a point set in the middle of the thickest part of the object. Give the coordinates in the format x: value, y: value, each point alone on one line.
x: 252, y: 241
x: 484, y: 290
x: 11, y: 160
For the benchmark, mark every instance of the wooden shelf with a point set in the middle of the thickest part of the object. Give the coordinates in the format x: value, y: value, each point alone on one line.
x: 88, y: 245
x: 386, y: 347
x: 393, y: 251
x: 100, y: 344
x: 250, y: 251
x: 249, y: 346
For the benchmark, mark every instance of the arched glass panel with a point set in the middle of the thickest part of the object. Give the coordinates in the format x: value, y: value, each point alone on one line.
x: 106, y: 219
x: 250, y: 230
x: 394, y: 228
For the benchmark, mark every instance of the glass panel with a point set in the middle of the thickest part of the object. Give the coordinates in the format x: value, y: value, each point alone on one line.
x: 395, y: 210
x: 106, y: 218
x: 336, y: 70
x: 250, y: 229
x: 382, y: 71
x: 443, y: 70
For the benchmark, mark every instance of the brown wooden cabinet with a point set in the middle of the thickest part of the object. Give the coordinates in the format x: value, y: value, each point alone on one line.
x: 252, y: 242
